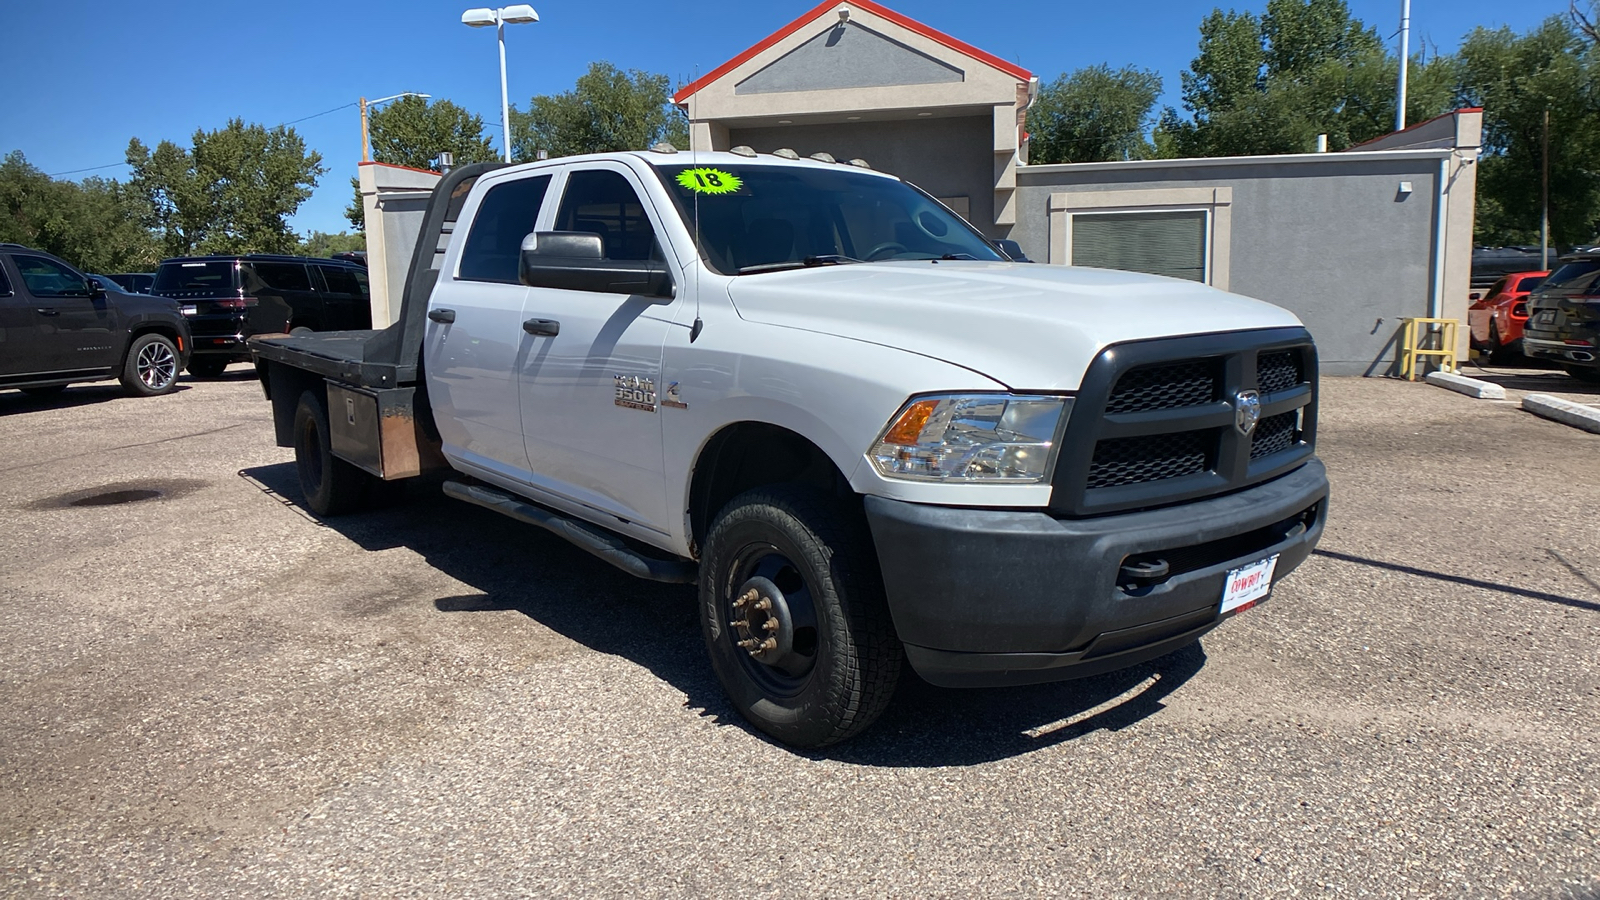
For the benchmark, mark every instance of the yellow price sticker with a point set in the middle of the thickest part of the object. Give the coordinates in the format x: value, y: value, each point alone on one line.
x: 709, y: 181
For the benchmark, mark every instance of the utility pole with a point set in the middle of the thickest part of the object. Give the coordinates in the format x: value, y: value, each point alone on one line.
x: 366, y: 145
x: 1405, y: 63
x: 1544, y: 204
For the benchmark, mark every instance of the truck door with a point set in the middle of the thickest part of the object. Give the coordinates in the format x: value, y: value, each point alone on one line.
x: 474, y: 343
x: 17, y: 343
x: 586, y: 439
x: 73, y: 329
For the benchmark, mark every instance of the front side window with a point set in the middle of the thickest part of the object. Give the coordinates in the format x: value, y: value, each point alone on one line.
x: 602, y: 202
x: 341, y: 280
x: 47, y: 278
x: 507, y: 214
x: 764, y: 218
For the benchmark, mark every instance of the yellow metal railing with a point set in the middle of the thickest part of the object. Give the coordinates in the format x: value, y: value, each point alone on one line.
x: 1424, y: 338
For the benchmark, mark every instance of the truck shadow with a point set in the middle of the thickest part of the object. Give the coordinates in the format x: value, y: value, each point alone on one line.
x: 86, y: 394
x: 521, y: 568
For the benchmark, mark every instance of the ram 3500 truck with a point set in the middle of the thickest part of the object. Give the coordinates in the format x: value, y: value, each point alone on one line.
x: 869, y: 436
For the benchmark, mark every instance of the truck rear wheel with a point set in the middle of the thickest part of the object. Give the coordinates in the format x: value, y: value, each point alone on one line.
x: 332, y: 486
x: 794, y: 617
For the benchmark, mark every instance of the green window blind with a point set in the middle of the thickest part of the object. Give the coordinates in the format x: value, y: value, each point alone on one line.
x: 1160, y: 243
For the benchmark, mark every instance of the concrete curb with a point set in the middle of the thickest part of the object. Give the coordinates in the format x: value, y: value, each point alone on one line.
x: 1461, y: 384
x: 1564, y: 411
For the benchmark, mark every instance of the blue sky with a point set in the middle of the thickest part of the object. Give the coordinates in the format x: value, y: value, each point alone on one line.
x: 102, y: 72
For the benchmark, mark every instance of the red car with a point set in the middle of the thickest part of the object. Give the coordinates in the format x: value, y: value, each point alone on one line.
x: 1497, y: 315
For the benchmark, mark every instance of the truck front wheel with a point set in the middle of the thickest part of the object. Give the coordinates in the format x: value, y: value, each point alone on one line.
x: 331, y: 485
x: 794, y: 617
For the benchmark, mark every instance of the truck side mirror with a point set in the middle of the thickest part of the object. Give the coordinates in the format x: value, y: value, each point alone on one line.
x: 575, y: 261
x: 1011, y: 250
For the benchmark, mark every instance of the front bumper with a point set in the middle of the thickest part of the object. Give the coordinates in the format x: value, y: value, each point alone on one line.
x: 994, y: 597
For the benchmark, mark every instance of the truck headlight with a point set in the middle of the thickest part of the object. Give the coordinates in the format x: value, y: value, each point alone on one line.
x: 972, y: 438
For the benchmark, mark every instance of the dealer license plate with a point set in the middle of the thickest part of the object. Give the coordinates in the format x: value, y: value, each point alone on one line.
x: 1548, y: 317
x: 1248, y: 584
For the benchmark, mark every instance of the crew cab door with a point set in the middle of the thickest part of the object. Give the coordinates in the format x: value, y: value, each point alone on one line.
x: 585, y: 440
x: 475, y: 346
x: 74, y: 330
x: 17, y: 344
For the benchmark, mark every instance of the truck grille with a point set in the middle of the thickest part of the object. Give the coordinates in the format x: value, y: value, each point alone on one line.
x: 1155, y: 421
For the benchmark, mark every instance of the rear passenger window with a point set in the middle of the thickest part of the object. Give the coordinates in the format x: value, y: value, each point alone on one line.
x: 45, y: 278
x: 283, y: 276
x: 341, y: 280
x: 506, y: 216
x: 604, y: 203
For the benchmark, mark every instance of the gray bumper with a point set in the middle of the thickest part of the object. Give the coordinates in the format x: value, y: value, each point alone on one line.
x: 989, y: 597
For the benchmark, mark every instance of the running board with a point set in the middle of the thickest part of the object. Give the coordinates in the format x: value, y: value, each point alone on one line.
x: 607, y: 546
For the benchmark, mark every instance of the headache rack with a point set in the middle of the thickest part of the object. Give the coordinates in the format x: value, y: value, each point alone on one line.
x: 1157, y: 422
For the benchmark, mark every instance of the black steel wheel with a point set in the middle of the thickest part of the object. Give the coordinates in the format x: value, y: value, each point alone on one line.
x: 151, y: 366
x: 792, y: 609
x: 332, y: 486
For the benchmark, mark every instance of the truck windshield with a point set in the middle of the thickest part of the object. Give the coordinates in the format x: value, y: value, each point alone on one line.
x: 767, y: 218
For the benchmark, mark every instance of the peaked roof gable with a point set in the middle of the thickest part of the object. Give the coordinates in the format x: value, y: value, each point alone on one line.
x: 828, y: 6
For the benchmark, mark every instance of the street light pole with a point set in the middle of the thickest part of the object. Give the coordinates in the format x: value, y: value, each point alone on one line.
x: 1405, y: 63
x: 482, y: 18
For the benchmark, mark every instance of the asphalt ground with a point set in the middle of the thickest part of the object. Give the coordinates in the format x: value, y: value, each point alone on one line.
x: 211, y: 693
x: 1521, y: 376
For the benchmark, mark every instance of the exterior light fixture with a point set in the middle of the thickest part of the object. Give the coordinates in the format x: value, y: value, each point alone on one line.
x: 483, y: 17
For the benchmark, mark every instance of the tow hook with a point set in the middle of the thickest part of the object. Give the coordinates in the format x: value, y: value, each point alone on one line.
x: 1142, y: 572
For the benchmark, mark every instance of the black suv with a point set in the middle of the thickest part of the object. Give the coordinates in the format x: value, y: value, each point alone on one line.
x: 58, y: 326
x: 229, y: 298
x: 1564, y: 317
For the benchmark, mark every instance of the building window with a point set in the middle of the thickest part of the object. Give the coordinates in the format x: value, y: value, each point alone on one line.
x: 1181, y: 232
x: 1158, y: 243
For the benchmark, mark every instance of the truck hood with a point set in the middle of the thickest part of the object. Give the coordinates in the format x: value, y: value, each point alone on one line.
x: 1027, y: 326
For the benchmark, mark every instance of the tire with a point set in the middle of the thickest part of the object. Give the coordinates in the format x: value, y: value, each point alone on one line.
x: 207, y: 366
x: 1584, y: 373
x: 49, y: 390
x: 151, y: 366
x: 1497, y: 351
x: 831, y: 661
x: 332, y: 486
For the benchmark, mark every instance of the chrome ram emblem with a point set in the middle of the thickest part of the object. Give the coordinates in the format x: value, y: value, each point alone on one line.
x: 1246, y: 411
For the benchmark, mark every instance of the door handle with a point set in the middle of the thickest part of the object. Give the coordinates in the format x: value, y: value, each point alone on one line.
x: 442, y: 316
x: 46, y: 311
x: 545, y: 327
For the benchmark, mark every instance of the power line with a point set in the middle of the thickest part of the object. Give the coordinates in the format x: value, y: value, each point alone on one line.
x: 279, y: 125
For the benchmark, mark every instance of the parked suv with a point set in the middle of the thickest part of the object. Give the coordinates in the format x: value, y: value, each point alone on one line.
x: 1564, y: 317
x: 229, y: 298
x: 58, y: 326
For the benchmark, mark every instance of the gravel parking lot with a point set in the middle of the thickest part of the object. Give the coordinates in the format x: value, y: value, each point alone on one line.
x: 211, y: 693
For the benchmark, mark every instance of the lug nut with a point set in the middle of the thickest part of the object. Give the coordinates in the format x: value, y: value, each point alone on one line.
x: 741, y: 623
x: 769, y: 644
x: 772, y: 625
x: 764, y: 605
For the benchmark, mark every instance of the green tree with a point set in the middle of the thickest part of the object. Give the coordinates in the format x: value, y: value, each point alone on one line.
x: 608, y: 110
x: 413, y: 132
x: 231, y: 192
x: 1271, y: 84
x: 1093, y: 115
x: 93, y: 224
x: 323, y: 244
x: 1517, y: 79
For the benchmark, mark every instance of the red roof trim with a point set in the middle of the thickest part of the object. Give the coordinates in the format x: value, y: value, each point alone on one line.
x: 1012, y: 69
x: 373, y: 162
x: 1453, y: 112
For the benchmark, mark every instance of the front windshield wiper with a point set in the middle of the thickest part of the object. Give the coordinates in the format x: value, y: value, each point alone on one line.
x: 827, y: 259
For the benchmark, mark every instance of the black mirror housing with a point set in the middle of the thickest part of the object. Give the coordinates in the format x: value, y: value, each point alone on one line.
x: 1011, y: 250
x: 575, y: 261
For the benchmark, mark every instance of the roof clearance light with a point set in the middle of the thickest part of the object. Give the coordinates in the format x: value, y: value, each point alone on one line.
x: 742, y: 150
x: 823, y: 157
x: 663, y: 147
x: 860, y: 163
x: 786, y: 153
